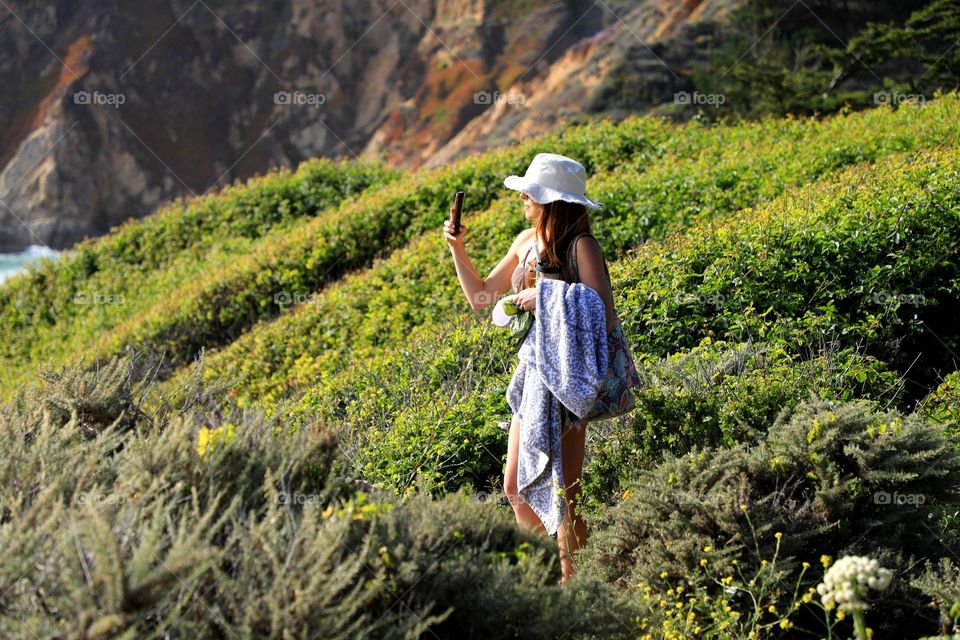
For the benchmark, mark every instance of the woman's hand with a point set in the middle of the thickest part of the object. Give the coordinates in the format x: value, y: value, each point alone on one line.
x: 527, y: 299
x: 454, y: 241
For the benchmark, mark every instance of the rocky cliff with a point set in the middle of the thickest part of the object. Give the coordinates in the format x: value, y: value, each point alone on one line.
x: 115, y: 107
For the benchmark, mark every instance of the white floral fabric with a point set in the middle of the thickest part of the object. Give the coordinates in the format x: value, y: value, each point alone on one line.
x: 563, y: 361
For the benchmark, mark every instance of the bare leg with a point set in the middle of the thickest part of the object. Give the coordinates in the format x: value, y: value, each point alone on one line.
x: 572, y: 534
x: 526, y: 516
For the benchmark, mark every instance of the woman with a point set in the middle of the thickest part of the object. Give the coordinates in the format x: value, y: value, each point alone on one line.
x: 553, y: 194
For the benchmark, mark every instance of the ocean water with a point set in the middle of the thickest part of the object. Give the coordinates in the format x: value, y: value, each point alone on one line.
x: 13, y: 263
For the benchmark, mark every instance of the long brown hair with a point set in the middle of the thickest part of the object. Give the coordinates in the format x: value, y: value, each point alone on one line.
x: 559, y: 224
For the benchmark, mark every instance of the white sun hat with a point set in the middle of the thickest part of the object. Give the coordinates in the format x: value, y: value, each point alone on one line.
x: 553, y: 177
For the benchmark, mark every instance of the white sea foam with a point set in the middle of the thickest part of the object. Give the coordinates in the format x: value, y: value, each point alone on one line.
x: 13, y: 263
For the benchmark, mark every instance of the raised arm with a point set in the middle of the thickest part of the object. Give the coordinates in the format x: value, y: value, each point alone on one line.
x: 482, y: 292
x: 592, y: 274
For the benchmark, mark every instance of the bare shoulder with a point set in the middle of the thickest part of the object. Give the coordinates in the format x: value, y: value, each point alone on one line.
x: 522, y: 239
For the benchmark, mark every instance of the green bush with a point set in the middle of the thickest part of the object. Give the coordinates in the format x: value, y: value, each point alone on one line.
x: 941, y: 583
x: 828, y: 478
x: 193, y: 524
x: 865, y: 260
x: 168, y: 248
x: 720, y: 395
x: 943, y: 403
x: 425, y: 410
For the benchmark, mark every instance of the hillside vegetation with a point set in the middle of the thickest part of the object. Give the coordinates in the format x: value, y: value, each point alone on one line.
x: 332, y: 466
x: 167, y: 300
x: 705, y: 174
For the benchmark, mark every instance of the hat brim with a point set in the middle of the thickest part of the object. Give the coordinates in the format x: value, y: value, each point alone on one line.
x: 543, y: 195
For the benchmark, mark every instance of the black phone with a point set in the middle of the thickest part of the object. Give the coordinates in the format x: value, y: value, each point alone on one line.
x: 457, y: 211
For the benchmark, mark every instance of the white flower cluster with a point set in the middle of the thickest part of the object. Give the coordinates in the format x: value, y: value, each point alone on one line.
x: 847, y: 581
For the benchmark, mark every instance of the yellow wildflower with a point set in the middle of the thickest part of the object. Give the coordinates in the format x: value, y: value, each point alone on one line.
x: 208, y: 438
x: 203, y: 441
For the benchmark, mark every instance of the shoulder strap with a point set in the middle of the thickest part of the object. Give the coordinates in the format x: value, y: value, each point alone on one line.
x: 520, y: 272
x: 572, y: 267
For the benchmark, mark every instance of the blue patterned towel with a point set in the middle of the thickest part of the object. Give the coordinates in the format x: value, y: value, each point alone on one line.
x: 563, y: 360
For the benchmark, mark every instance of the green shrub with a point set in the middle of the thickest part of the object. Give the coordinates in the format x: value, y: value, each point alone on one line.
x: 866, y: 259
x: 719, y: 395
x: 829, y: 478
x: 943, y: 403
x: 168, y: 248
x: 941, y: 583
x: 428, y: 409
x: 150, y: 531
